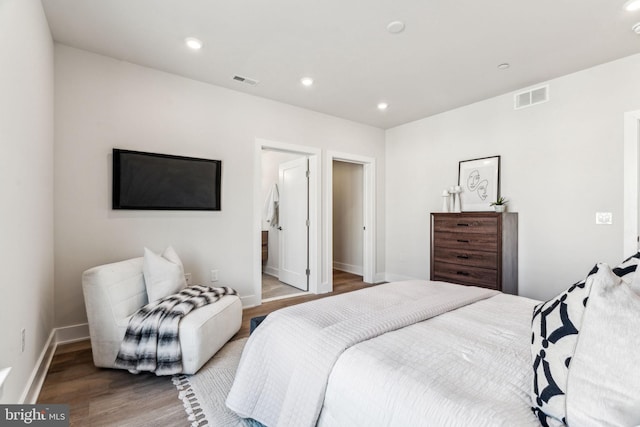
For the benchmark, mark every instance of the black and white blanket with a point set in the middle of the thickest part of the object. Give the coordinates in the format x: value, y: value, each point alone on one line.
x: 151, y: 341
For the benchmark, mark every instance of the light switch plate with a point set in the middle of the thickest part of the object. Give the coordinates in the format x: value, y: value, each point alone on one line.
x: 604, y: 218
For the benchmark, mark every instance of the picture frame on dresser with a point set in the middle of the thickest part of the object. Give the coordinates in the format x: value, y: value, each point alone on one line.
x: 480, y: 183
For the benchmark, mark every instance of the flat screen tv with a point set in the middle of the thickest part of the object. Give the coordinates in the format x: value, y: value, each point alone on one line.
x: 162, y: 182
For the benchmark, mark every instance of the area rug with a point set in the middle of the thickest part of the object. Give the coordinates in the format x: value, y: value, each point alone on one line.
x: 204, y: 393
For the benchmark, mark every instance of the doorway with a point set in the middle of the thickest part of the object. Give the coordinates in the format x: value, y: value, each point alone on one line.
x: 284, y: 223
x: 348, y: 217
x: 368, y: 223
x: 631, y: 229
x: 310, y: 256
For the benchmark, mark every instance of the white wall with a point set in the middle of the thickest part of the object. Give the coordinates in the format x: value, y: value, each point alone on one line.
x: 562, y: 161
x: 271, y: 161
x: 348, y: 216
x: 103, y: 103
x: 26, y: 185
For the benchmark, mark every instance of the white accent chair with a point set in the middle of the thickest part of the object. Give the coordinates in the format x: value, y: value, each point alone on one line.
x: 113, y: 292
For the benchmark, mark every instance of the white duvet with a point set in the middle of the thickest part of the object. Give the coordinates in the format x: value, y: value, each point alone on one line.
x: 468, y: 367
x: 368, y: 358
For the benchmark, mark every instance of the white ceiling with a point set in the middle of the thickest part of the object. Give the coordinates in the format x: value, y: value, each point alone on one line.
x: 447, y: 56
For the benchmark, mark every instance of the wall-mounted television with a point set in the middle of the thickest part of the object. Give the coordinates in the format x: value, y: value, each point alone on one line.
x: 154, y: 181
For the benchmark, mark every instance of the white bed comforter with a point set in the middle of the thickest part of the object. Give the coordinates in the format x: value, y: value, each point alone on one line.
x: 283, y: 373
x: 468, y: 367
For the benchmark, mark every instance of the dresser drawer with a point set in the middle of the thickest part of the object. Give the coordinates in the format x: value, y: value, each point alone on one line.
x: 461, y: 224
x: 466, y: 257
x: 465, y: 275
x: 466, y: 241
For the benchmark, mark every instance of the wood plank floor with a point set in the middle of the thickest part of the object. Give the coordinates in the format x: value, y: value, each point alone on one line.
x: 109, y: 397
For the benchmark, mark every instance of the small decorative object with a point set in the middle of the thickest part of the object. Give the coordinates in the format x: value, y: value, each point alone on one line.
x: 480, y: 182
x: 456, y: 198
x: 500, y: 205
x: 445, y: 201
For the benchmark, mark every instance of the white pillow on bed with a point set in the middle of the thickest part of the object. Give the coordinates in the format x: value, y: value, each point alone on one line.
x: 604, y: 379
x: 163, y: 274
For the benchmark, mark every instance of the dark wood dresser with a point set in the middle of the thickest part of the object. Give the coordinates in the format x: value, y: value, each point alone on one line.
x: 476, y: 248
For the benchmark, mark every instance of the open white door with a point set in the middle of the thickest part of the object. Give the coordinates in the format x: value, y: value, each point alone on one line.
x: 293, y: 220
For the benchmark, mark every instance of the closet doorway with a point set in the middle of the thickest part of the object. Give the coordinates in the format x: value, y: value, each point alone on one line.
x: 285, y: 224
x: 360, y: 223
x: 348, y: 217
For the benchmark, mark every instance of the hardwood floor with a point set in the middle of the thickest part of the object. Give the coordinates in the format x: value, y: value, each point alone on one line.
x: 273, y: 288
x: 109, y: 397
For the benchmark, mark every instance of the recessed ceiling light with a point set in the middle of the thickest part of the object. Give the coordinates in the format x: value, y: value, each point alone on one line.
x: 632, y: 5
x: 395, y: 27
x: 504, y: 66
x: 636, y: 28
x: 382, y: 106
x: 306, y: 81
x: 193, y: 43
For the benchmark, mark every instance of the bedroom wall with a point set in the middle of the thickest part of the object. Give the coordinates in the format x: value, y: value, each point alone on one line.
x: 102, y: 103
x: 26, y: 185
x: 347, y: 216
x: 562, y: 161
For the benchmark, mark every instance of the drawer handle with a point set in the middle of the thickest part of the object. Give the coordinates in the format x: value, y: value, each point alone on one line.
x: 463, y: 256
x: 463, y: 241
x: 462, y: 273
x: 461, y: 224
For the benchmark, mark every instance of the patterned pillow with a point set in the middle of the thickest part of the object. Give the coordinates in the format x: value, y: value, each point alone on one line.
x: 627, y: 269
x: 555, y: 326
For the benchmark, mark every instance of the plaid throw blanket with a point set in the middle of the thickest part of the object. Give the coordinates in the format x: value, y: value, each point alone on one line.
x: 151, y: 342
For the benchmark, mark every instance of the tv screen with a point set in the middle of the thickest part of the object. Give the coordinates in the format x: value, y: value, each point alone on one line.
x: 163, y: 182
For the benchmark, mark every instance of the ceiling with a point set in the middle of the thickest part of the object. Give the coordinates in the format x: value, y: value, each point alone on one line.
x: 447, y: 56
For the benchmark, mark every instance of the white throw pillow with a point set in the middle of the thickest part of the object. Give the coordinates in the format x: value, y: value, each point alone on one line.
x: 163, y: 274
x: 604, y: 379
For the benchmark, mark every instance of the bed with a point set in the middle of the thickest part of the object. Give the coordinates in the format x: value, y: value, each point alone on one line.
x: 412, y: 353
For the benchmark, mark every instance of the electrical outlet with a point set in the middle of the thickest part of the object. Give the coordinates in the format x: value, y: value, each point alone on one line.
x: 23, y: 339
x: 187, y: 277
x: 604, y: 218
x: 214, y: 275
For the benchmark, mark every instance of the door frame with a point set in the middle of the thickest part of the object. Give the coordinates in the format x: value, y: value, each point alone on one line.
x: 368, y: 209
x: 631, y: 164
x: 315, y: 214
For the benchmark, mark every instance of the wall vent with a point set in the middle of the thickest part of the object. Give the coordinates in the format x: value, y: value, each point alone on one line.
x: 531, y: 97
x: 246, y: 80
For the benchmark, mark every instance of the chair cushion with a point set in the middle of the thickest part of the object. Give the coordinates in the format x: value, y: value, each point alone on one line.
x: 204, y: 331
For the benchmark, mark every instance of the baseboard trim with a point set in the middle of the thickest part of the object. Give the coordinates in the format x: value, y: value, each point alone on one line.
x: 39, y: 373
x: 271, y: 271
x: 73, y: 333
x: 349, y: 268
x: 63, y: 335
x: 380, y: 278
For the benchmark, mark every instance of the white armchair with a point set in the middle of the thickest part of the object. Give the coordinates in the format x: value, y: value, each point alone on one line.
x: 113, y: 292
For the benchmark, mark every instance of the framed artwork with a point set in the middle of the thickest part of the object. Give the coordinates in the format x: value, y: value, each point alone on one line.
x: 480, y: 183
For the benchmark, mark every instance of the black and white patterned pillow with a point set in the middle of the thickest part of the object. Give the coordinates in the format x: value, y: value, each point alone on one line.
x: 555, y: 326
x: 626, y: 269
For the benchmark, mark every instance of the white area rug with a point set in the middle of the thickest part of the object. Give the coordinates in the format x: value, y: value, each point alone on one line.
x: 204, y: 393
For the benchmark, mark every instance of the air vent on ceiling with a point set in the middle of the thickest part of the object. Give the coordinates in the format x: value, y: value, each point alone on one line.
x: 246, y: 80
x: 531, y: 97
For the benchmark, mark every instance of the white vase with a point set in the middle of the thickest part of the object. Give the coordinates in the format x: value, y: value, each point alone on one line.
x: 500, y: 208
x: 445, y: 202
